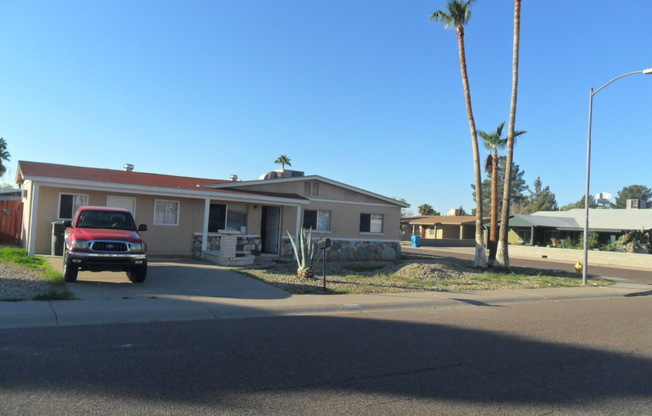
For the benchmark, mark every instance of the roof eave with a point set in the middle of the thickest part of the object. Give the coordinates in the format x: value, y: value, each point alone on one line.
x: 177, y: 192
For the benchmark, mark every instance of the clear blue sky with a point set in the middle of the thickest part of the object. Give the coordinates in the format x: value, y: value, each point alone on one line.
x: 366, y: 92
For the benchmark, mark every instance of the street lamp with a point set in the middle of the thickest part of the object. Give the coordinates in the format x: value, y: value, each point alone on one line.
x: 588, y: 170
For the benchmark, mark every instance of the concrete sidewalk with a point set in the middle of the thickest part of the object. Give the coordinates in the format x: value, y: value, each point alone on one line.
x: 181, y: 307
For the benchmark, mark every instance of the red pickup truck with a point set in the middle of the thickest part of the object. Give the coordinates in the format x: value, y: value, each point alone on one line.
x: 104, y: 239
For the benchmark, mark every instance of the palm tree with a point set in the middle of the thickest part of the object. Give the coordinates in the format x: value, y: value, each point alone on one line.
x: 502, y: 254
x: 426, y: 209
x: 493, y: 142
x: 457, y: 14
x: 4, y: 156
x: 283, y: 160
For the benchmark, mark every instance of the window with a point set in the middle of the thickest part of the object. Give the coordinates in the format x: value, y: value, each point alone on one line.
x: 69, y: 203
x: 227, y: 217
x: 166, y: 212
x: 106, y: 219
x: 216, y: 217
x: 311, y: 188
x: 371, y: 223
x: 236, y: 217
x: 524, y: 236
x: 317, y: 220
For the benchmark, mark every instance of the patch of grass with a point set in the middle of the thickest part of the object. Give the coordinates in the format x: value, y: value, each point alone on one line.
x: 58, y: 293
x: 19, y: 256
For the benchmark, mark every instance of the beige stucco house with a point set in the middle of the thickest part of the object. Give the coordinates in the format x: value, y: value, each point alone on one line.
x: 184, y: 214
x: 460, y: 227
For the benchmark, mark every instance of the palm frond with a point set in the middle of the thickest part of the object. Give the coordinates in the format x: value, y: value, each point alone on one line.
x: 489, y: 164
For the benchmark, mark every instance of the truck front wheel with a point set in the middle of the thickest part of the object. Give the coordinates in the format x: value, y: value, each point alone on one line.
x: 138, y: 274
x: 69, y: 271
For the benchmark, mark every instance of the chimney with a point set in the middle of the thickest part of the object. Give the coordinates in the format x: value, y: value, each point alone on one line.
x: 128, y: 167
x: 234, y: 178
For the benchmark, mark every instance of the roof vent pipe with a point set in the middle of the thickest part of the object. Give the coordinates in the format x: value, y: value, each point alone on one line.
x: 128, y: 167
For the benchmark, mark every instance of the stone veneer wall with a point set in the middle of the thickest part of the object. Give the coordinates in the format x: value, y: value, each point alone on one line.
x: 344, y: 250
x: 340, y: 249
x: 248, y: 243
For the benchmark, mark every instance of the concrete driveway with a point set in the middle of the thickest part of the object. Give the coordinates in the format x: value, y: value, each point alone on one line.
x: 170, y: 278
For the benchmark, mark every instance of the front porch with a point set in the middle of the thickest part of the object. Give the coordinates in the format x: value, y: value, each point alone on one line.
x: 228, y: 248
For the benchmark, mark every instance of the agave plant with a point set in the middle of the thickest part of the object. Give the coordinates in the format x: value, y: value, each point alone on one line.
x: 305, y: 253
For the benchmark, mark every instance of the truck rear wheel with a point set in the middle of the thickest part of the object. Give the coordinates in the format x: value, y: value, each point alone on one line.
x: 138, y: 274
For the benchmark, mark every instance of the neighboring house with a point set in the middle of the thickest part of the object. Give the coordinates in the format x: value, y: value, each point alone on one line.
x: 456, y: 227
x: 547, y: 227
x: 184, y: 214
x: 406, y: 228
x: 10, y: 194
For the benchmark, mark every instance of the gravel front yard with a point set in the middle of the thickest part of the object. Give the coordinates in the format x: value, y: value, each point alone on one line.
x: 20, y: 283
x: 413, y: 275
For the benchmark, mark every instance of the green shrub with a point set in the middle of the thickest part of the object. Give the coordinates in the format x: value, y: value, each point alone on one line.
x: 593, y: 240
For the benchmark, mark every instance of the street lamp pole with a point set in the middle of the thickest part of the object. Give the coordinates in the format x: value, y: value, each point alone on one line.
x: 588, y: 170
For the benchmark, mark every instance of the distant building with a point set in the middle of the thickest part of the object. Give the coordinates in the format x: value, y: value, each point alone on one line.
x: 547, y: 227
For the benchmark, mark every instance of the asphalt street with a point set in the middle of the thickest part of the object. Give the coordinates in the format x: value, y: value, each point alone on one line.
x: 198, y: 340
x: 589, y: 357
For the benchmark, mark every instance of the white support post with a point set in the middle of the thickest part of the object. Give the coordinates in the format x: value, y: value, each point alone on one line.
x: 298, y: 227
x: 33, y: 219
x: 204, y: 237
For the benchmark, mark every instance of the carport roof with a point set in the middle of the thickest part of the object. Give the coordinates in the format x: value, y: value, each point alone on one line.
x: 607, y: 219
x: 519, y: 220
x: 599, y: 219
x: 444, y: 220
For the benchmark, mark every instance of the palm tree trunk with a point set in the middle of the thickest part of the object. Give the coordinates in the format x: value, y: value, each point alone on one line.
x: 480, y: 260
x: 502, y: 254
x: 493, y: 229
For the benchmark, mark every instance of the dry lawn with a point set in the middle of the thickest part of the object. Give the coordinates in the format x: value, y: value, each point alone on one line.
x: 413, y: 274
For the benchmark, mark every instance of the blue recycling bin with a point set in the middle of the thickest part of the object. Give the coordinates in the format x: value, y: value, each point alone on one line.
x: 416, y: 241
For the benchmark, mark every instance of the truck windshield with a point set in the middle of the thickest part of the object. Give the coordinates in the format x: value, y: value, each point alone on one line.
x: 106, y: 220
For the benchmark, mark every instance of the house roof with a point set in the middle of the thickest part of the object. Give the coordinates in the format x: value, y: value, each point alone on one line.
x: 48, y: 171
x: 599, y: 219
x: 37, y: 169
x: 444, y: 220
x: 520, y: 220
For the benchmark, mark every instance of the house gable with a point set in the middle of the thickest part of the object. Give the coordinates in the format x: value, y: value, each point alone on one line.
x: 314, y: 188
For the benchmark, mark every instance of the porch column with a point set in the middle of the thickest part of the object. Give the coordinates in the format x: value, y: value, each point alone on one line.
x: 298, y: 225
x: 531, y: 235
x: 33, y: 218
x: 204, y: 237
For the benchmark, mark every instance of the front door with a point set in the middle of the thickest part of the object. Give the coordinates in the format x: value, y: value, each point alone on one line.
x: 271, y: 228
